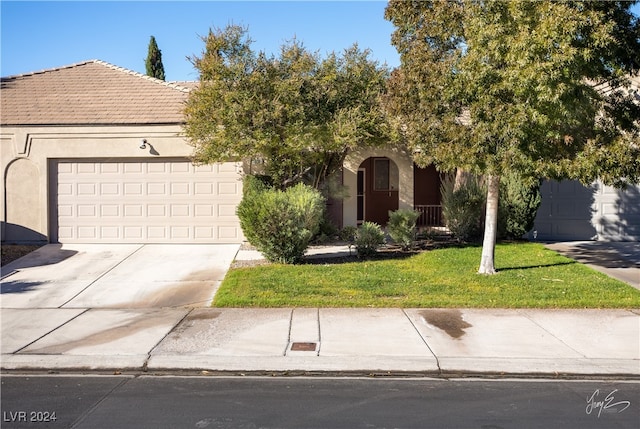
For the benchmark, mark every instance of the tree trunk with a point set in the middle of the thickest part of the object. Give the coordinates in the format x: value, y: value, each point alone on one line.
x: 462, y: 177
x: 487, y: 265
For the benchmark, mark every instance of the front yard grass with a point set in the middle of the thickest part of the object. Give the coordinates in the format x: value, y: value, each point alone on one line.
x: 530, y: 276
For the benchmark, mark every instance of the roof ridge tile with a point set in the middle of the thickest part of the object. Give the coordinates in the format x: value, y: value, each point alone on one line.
x: 49, y: 70
x: 143, y: 76
x: 174, y: 85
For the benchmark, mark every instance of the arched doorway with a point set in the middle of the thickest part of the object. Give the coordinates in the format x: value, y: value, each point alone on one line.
x: 377, y: 190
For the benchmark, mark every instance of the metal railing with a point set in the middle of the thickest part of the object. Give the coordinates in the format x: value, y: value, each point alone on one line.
x: 430, y: 215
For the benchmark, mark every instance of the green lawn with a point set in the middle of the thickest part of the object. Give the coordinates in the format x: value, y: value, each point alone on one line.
x: 530, y: 276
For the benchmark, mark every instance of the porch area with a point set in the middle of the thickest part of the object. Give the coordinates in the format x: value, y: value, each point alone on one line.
x: 430, y: 215
x: 383, y: 180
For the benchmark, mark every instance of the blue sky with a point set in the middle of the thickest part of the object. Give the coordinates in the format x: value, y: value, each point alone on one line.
x: 42, y: 35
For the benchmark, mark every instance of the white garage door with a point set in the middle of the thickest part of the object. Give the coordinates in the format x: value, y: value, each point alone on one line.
x: 159, y: 201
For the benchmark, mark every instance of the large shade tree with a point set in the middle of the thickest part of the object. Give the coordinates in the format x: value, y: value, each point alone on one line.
x: 539, y: 88
x: 296, y: 113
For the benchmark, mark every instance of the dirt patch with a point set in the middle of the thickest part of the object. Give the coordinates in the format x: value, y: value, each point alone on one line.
x: 450, y: 321
x: 127, y: 327
x: 204, y: 315
x: 11, y: 252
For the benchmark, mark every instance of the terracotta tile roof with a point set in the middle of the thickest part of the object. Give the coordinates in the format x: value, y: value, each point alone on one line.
x: 90, y: 93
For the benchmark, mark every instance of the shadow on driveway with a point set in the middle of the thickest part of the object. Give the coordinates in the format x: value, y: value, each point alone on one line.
x: 46, y: 255
x: 603, y: 254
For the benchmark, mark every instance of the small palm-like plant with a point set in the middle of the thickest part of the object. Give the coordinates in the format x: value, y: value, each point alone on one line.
x: 368, y: 238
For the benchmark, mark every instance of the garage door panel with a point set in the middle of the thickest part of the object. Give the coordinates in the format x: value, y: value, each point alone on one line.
x: 203, y: 188
x: 110, y: 232
x: 180, y: 188
x: 227, y: 188
x: 134, y: 167
x: 156, y: 202
x: 572, y: 211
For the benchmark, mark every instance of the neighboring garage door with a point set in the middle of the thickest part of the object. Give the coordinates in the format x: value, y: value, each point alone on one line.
x: 133, y: 201
x: 565, y: 211
x: 572, y: 211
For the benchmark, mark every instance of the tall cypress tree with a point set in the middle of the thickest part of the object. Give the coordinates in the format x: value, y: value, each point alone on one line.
x: 154, y: 60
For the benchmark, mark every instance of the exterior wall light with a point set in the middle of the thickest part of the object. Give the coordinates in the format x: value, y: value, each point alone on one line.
x: 143, y: 144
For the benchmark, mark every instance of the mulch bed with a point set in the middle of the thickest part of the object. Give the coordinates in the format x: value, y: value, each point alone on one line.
x: 388, y: 251
x: 11, y: 252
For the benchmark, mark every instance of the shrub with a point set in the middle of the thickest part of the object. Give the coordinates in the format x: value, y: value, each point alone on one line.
x: 368, y: 238
x: 327, y: 229
x: 463, y: 209
x: 402, y: 226
x: 280, y: 223
x: 519, y: 202
x: 256, y: 183
x: 348, y: 233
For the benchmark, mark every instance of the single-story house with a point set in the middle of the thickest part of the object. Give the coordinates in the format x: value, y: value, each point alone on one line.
x: 92, y: 152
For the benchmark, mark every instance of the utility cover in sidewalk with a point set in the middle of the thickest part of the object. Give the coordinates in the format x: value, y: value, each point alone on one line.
x: 303, y: 347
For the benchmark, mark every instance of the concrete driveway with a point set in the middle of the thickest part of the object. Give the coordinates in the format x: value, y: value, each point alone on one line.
x: 116, y: 276
x: 617, y: 259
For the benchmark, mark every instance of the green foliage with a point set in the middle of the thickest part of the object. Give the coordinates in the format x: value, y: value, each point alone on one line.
x: 297, y: 112
x: 153, y: 63
x: 402, y: 226
x: 348, y: 233
x: 255, y: 184
x: 327, y: 229
x: 462, y: 209
x: 280, y: 223
x: 519, y: 202
x: 369, y: 237
x: 533, y: 87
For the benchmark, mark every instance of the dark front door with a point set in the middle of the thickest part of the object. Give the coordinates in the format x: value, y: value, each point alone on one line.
x: 380, y: 194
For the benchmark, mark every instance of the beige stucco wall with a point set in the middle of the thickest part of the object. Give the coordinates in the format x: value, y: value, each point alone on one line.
x: 353, y: 160
x: 26, y: 151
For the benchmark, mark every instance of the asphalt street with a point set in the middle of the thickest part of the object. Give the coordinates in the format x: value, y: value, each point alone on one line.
x: 264, y: 402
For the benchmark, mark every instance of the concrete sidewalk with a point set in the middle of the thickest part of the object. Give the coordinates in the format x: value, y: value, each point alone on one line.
x: 66, y: 313
x: 396, y: 341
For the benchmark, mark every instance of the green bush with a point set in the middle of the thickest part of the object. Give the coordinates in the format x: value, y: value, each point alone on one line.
x: 327, y: 230
x: 519, y: 202
x: 256, y: 183
x: 348, y: 233
x: 402, y: 226
x: 463, y: 209
x: 368, y: 238
x: 280, y: 223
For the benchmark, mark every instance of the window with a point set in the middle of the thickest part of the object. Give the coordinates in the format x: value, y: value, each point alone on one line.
x: 385, y: 175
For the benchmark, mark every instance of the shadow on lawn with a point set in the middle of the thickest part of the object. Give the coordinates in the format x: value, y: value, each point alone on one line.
x: 528, y: 267
x: 388, y: 252
x: 347, y: 259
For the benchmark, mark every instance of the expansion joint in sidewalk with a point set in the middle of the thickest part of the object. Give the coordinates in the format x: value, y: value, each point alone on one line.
x: 423, y: 340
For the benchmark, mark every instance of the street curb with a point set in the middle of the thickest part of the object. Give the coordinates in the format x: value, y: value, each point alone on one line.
x: 139, y: 372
